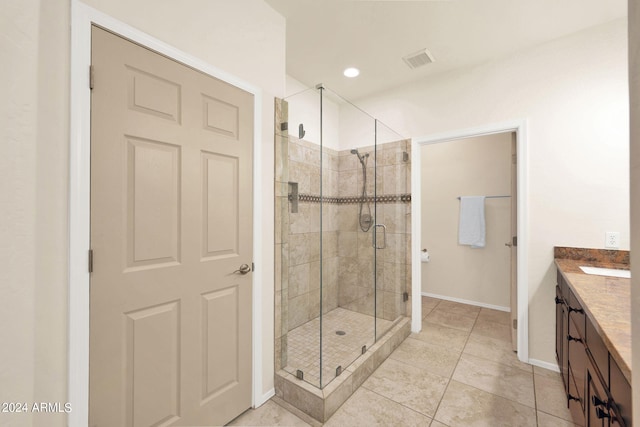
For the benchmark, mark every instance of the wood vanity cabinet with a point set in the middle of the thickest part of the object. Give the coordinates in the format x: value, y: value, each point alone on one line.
x: 620, y: 392
x: 597, y: 413
x: 577, y: 363
x: 607, y: 406
x: 597, y: 392
x: 561, y: 335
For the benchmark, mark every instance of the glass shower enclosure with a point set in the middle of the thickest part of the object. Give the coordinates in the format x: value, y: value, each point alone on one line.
x: 342, y: 233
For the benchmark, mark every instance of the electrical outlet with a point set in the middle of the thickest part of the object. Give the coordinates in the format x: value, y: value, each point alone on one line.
x: 612, y: 239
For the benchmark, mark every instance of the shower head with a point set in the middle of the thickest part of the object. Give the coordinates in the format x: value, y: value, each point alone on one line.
x: 361, y: 157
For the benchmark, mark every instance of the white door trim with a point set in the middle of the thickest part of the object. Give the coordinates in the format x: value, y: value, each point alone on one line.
x: 82, y: 17
x: 520, y: 128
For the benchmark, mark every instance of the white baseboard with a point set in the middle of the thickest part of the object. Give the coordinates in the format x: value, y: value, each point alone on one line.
x: 263, y: 399
x: 546, y: 365
x: 464, y: 301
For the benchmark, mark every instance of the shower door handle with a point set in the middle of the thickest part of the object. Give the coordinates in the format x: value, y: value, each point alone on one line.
x: 384, y: 236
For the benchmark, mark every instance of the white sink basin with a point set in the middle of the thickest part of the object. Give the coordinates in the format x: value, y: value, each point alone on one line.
x: 606, y: 272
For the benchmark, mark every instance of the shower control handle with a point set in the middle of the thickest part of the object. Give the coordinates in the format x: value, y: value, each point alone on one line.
x: 375, y: 236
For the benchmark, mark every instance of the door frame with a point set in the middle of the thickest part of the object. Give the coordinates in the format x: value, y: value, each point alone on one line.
x: 518, y: 126
x: 82, y: 18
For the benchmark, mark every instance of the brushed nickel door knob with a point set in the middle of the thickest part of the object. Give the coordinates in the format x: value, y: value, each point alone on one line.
x: 244, y: 269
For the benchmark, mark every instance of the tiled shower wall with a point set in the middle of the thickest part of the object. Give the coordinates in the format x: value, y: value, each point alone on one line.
x: 304, y: 233
x: 347, y: 275
x: 355, y: 247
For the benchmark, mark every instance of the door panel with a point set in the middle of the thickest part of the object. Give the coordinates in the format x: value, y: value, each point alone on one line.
x: 220, y: 182
x: 152, y: 347
x: 171, y: 222
x: 152, y: 94
x: 220, y: 309
x: 220, y: 117
x: 153, y: 179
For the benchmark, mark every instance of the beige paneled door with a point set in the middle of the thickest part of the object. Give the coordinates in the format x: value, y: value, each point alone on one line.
x: 171, y: 234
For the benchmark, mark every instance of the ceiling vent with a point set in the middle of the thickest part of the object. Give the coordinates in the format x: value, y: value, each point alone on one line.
x: 418, y: 59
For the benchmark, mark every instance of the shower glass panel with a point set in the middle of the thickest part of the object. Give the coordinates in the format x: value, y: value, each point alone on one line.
x: 392, y: 232
x: 301, y: 297
x: 349, y: 324
x: 343, y: 234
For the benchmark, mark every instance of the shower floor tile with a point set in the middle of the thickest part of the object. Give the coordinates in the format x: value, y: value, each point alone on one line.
x: 337, y: 350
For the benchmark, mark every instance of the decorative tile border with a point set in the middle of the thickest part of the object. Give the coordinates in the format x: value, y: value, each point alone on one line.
x: 391, y: 198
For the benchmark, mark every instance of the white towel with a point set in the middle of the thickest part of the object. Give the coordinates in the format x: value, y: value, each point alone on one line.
x: 472, y: 227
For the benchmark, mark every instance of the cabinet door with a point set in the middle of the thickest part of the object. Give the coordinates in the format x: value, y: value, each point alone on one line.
x: 564, y: 367
x: 577, y: 361
x: 575, y: 399
x: 620, y: 391
x: 576, y: 313
x: 596, y: 411
x: 560, y: 336
x: 598, y: 351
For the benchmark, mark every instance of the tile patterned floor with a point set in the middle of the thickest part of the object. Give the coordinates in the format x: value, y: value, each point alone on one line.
x: 337, y: 350
x: 458, y: 371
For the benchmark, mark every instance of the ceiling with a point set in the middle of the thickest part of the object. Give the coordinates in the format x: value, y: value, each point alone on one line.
x: 326, y: 36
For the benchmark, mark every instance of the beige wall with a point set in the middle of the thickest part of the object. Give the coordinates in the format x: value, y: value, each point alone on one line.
x: 18, y: 126
x: 634, y: 92
x: 466, y: 167
x: 578, y: 131
x: 33, y: 205
x: 35, y: 45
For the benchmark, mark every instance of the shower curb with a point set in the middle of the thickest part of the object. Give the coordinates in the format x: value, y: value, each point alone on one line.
x: 321, y: 404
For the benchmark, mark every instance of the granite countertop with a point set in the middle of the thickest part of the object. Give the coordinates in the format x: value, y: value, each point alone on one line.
x: 606, y: 300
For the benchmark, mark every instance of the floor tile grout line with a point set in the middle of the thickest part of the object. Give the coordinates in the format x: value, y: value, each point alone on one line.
x: 504, y: 397
x: 454, y: 370
x: 557, y: 416
x: 436, y: 344
x: 399, y: 403
x: 486, y: 336
x: 535, y: 404
x: 503, y: 364
x: 452, y: 373
x: 460, y: 357
x: 435, y: 412
x: 535, y: 396
x: 499, y: 363
x: 496, y: 395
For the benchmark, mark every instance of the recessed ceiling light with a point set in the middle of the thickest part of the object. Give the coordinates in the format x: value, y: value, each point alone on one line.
x: 351, y: 72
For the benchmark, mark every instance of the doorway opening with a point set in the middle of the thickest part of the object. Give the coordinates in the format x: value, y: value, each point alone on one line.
x: 516, y: 261
x: 477, y: 274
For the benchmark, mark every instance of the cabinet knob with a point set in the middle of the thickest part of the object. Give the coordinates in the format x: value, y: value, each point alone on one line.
x: 602, y: 414
x: 558, y: 300
x: 570, y: 338
x: 577, y: 310
x: 572, y: 397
